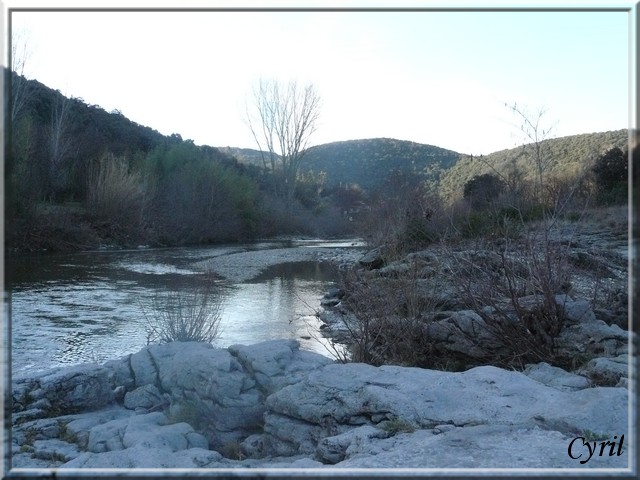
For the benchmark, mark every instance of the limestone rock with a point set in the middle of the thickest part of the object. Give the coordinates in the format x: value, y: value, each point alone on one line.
x: 556, y: 377
x: 149, y: 431
x: 481, y: 446
x: 594, y: 339
x: 607, y: 371
x: 575, y: 311
x: 55, y: 449
x: 65, y: 389
x: 147, y: 396
x: 334, y: 449
x: 143, y: 457
x: 294, y: 409
x: 220, y: 392
x: 464, y: 332
x: 277, y: 363
x: 339, y: 396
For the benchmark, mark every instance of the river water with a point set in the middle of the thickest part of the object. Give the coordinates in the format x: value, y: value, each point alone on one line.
x: 90, y: 307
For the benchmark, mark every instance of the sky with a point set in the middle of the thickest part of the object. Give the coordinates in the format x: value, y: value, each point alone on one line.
x: 443, y: 78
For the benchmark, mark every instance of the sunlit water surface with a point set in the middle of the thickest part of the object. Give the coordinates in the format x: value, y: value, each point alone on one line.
x: 88, y: 307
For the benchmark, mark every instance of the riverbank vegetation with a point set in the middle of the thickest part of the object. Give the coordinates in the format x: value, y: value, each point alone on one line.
x: 78, y: 177
x: 485, y: 274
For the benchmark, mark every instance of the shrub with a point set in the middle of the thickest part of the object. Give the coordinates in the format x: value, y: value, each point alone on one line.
x: 113, y: 190
x: 387, y: 325
x: 611, y: 177
x: 476, y: 224
x: 512, y: 286
x: 185, y: 316
x: 483, y: 189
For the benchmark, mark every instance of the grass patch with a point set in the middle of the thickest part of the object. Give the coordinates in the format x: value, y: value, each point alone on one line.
x: 397, y: 425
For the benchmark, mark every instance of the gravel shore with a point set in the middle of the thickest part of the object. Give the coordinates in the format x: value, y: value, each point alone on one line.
x: 243, y: 266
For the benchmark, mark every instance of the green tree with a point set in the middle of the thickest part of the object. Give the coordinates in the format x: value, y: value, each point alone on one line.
x: 611, y: 173
x: 483, y: 189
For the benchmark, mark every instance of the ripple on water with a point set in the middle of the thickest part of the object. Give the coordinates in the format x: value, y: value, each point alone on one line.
x: 96, y: 316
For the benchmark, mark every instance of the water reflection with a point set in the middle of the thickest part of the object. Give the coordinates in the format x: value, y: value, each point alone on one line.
x: 69, y: 309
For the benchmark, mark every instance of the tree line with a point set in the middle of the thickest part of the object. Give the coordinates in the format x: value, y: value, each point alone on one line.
x: 77, y: 177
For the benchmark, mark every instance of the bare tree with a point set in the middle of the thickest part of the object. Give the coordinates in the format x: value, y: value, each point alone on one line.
x: 282, y: 118
x: 19, y: 87
x: 536, y: 134
x: 59, y: 141
x: 19, y: 169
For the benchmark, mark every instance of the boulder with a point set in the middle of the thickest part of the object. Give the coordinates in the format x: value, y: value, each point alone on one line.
x: 575, y: 311
x: 482, y: 447
x: 334, y: 293
x: 150, y: 430
x: 593, y: 339
x: 605, y: 371
x: 357, y: 440
x: 284, y: 407
x: 63, y: 390
x: 611, y: 317
x: 218, y: 392
x: 463, y: 332
x: 44, y: 454
x: 144, y: 457
x: 373, y: 259
x: 275, y: 364
x: 79, y: 425
x: 556, y: 377
x: 145, y: 397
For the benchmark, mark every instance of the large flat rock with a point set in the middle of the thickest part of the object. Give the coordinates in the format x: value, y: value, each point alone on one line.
x: 338, y: 398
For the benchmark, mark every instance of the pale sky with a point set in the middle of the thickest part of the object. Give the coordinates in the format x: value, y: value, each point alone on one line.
x: 433, y: 77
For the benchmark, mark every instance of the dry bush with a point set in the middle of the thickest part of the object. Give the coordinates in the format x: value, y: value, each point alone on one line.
x: 403, y: 217
x: 115, y: 193
x: 185, y: 315
x: 513, y: 286
x: 388, y: 321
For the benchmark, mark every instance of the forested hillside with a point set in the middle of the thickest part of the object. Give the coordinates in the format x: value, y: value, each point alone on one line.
x: 78, y: 177
x: 567, y: 158
x: 370, y: 162
x: 366, y: 163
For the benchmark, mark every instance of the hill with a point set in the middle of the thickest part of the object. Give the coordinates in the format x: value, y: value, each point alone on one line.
x: 567, y: 157
x: 369, y: 162
x: 366, y: 162
x: 245, y: 156
x: 79, y: 177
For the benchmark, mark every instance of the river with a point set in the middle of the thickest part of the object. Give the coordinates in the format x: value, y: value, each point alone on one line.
x: 67, y: 309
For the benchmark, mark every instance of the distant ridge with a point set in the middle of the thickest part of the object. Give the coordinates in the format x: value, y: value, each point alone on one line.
x: 366, y: 162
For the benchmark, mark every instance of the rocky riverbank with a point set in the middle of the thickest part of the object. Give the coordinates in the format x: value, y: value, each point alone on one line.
x: 272, y: 405
x: 493, y: 302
